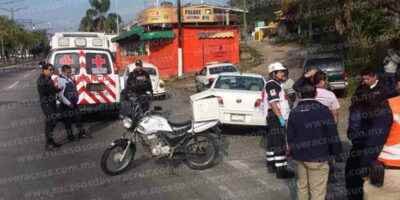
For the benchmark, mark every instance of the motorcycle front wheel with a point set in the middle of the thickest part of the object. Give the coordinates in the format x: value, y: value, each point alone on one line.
x: 111, y: 162
x: 201, y: 152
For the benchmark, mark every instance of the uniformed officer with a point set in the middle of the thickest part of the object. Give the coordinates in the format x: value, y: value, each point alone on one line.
x: 69, y: 103
x: 47, y: 94
x: 369, y: 124
x: 139, y: 83
x: 278, y: 113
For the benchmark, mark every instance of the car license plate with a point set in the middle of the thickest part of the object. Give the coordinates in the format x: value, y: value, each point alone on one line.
x: 237, y: 118
x: 95, y: 87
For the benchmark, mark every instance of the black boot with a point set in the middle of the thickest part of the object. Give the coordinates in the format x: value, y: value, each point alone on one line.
x: 284, y: 173
x: 70, y: 136
x: 271, y: 167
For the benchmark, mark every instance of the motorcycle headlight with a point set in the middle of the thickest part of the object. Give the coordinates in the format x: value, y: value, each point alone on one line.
x: 127, y: 122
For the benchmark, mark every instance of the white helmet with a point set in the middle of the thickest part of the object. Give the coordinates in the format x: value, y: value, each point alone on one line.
x: 277, y: 66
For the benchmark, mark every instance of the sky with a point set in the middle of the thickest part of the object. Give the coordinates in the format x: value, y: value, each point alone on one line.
x: 65, y: 15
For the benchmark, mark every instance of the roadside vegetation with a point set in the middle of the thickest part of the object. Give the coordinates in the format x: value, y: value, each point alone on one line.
x: 18, y: 44
x: 360, y: 30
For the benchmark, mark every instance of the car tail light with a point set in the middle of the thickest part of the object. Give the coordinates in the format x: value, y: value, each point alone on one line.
x: 220, y: 100
x: 257, y: 103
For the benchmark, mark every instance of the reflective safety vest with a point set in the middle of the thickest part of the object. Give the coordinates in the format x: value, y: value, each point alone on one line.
x: 390, y: 155
x: 283, y: 101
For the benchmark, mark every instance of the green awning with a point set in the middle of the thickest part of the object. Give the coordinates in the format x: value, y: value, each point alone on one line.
x: 157, y: 35
x: 139, y: 33
x: 136, y: 31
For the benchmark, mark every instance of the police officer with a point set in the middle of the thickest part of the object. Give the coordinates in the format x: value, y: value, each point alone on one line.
x: 69, y: 103
x: 47, y: 94
x: 139, y: 83
x: 369, y: 124
x: 278, y: 113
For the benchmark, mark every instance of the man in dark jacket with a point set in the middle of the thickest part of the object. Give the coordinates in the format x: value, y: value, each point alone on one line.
x: 139, y: 83
x: 369, y: 124
x: 313, y: 140
x: 47, y: 94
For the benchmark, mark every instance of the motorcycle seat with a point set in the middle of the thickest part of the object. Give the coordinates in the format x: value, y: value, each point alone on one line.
x: 178, y: 124
x: 180, y: 127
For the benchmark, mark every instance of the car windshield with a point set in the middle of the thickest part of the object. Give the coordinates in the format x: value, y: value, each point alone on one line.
x: 95, y: 63
x: 222, y: 69
x: 324, y: 63
x: 240, y: 83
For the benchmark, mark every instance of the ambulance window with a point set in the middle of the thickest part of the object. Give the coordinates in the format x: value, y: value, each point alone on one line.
x: 97, y: 63
x: 71, y: 59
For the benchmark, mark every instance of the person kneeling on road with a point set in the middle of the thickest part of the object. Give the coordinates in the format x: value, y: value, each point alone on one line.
x: 313, y: 140
x: 385, y: 180
x: 69, y: 103
x: 277, y: 115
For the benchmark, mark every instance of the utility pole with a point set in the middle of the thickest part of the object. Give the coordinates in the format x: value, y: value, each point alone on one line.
x: 180, y: 53
x: 245, y: 18
x: 116, y: 12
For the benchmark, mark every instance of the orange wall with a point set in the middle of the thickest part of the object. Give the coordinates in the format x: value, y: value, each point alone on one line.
x: 163, y: 56
x: 196, y: 52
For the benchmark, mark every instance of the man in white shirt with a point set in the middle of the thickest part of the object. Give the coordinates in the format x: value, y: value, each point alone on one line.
x: 318, y: 78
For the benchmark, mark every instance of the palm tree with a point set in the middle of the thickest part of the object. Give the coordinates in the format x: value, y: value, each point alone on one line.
x: 96, y: 18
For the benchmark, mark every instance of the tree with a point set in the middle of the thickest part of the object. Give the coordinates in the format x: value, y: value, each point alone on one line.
x: 14, y: 40
x: 97, y: 19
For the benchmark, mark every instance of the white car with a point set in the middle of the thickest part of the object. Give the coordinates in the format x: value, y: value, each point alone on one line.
x: 239, y: 98
x: 157, y: 84
x: 210, y: 72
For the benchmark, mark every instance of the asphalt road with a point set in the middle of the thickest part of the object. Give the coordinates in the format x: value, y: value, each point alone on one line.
x: 73, y: 172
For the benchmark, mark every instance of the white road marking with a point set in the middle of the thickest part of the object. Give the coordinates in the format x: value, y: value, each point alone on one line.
x: 29, y: 73
x: 12, y: 85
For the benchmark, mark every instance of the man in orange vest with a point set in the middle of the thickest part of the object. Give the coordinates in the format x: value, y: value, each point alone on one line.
x: 389, y: 157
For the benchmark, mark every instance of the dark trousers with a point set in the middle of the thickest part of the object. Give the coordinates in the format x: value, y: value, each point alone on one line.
x: 275, y: 138
x: 51, y: 118
x: 71, y: 116
x: 354, y: 172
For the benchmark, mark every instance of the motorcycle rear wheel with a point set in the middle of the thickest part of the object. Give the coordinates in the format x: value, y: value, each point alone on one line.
x: 112, y: 156
x: 201, y: 152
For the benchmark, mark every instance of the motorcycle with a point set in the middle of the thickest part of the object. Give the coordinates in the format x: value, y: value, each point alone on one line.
x: 197, y: 143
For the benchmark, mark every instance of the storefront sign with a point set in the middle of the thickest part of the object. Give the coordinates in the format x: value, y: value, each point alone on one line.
x: 215, y: 35
x: 163, y: 15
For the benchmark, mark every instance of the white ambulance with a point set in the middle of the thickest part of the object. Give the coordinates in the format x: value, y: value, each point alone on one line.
x: 92, y: 66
